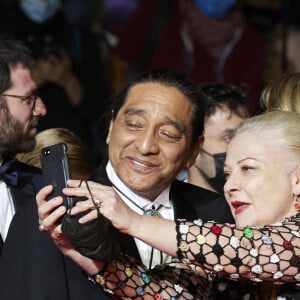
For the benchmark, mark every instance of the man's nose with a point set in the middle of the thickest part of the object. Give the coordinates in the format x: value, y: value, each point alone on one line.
x: 147, y: 143
x: 39, y: 108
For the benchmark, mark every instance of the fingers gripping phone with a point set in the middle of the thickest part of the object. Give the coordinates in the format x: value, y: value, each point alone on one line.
x: 56, y: 170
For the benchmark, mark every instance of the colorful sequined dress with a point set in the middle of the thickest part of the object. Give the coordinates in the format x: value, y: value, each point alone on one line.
x: 216, y: 260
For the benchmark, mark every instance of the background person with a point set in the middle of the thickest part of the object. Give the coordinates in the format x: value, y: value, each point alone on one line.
x: 82, y: 164
x: 208, y: 41
x: 23, y: 250
x: 282, y: 93
x: 226, y: 107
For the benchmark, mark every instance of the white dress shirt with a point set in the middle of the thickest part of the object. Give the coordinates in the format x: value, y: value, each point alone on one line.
x: 7, y: 209
x: 166, y: 211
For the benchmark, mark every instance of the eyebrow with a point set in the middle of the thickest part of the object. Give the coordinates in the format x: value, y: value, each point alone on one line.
x: 241, y: 160
x: 178, y: 125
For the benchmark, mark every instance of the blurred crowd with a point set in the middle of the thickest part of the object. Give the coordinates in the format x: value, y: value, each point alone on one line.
x: 86, y: 50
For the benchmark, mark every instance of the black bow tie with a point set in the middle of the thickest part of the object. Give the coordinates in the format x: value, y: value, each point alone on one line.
x: 8, y: 172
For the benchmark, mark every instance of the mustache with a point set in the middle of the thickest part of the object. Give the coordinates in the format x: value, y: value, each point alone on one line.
x: 34, y: 122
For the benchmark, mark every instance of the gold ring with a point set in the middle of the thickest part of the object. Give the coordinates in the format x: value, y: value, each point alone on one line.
x: 42, y: 227
x: 98, y: 202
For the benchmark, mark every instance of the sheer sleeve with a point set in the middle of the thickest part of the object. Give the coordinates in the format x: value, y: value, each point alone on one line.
x: 127, y: 278
x: 270, y: 253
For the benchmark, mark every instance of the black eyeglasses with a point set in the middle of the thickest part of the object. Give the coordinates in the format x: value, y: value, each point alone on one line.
x: 30, y: 99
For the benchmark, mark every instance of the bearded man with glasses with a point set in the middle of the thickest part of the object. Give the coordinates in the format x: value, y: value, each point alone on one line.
x: 22, y: 248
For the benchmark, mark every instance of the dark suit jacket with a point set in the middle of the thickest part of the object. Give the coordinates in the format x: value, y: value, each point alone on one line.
x: 190, y: 202
x: 31, y: 267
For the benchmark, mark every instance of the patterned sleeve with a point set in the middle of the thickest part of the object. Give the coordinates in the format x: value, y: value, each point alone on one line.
x: 270, y: 253
x: 126, y: 278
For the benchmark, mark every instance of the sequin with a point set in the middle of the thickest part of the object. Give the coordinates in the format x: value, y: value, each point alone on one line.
x: 277, y: 275
x: 158, y: 296
x: 216, y: 229
x: 267, y: 240
x: 236, y: 261
x: 256, y: 279
x: 140, y: 291
x: 230, y: 225
x: 100, y: 279
x: 173, y: 298
x: 121, y: 285
x: 287, y: 245
x: 295, y: 233
x: 128, y: 272
x: 234, y: 276
x: 145, y: 278
x: 274, y: 229
x: 162, y: 283
x: 297, y: 276
x: 248, y: 233
x: 295, y: 261
x: 218, y: 250
x: 253, y: 252
x: 198, y: 222
x: 257, y: 269
x: 200, y: 239
x: 200, y: 258
x: 184, y: 247
x: 218, y: 268
x: 222, y: 286
x: 234, y: 242
x: 183, y: 229
x: 178, y: 288
x: 274, y: 258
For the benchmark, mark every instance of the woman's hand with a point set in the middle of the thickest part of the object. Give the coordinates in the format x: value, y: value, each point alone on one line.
x: 109, y: 204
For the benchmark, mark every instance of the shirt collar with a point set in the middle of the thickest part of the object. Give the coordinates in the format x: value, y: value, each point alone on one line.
x: 162, y: 199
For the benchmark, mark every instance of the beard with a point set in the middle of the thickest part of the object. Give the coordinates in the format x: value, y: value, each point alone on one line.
x: 12, y: 138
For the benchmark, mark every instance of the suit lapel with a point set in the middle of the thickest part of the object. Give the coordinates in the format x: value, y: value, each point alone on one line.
x: 182, y: 208
x: 127, y: 242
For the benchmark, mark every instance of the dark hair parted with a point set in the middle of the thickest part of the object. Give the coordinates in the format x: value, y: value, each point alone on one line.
x: 172, y: 79
x: 220, y: 94
x: 12, y: 53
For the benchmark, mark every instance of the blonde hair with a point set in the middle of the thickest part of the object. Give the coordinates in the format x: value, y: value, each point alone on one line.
x: 282, y: 128
x: 282, y: 93
x: 81, y: 160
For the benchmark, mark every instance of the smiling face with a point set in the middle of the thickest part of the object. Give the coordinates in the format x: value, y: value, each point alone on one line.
x: 19, y: 118
x: 259, y: 187
x: 150, y: 138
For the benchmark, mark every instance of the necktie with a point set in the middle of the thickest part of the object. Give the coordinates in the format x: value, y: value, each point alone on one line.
x: 8, y: 172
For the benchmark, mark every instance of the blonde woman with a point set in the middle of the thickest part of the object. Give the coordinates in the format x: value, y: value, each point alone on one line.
x: 81, y: 162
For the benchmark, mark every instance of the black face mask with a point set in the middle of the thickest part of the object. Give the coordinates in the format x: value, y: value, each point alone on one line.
x: 218, y: 181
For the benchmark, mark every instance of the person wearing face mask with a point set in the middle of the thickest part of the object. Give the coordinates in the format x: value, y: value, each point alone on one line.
x: 40, y: 11
x: 209, y: 41
x: 226, y: 108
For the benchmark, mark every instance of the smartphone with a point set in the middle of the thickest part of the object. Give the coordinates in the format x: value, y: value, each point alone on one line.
x: 56, y: 170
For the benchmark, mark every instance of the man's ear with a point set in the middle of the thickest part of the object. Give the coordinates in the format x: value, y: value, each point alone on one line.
x: 195, y: 152
x: 111, y: 124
